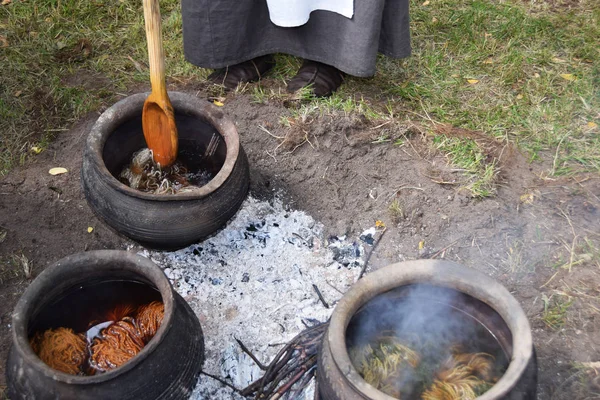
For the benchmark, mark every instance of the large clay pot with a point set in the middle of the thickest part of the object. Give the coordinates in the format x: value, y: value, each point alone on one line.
x: 473, y: 294
x: 165, y: 221
x: 166, y: 368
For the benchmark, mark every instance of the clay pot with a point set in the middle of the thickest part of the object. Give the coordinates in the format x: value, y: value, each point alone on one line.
x: 473, y: 294
x: 167, y: 367
x: 165, y: 221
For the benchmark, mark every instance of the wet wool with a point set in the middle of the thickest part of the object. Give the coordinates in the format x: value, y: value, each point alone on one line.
x: 124, y: 334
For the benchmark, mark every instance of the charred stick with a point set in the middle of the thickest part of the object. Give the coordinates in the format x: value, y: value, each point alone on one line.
x: 245, y: 350
x: 280, y: 359
x: 289, y: 384
x: 325, y: 304
x: 251, y: 388
x: 294, y: 360
x: 222, y: 381
x: 284, y: 372
x: 366, y: 264
x: 284, y: 357
x: 271, y: 381
x: 286, y: 367
x: 308, y: 376
x: 291, y: 369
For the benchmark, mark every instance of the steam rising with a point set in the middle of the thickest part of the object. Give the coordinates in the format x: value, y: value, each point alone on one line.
x: 429, y: 321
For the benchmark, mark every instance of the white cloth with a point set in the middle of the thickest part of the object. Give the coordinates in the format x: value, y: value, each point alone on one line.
x: 290, y: 13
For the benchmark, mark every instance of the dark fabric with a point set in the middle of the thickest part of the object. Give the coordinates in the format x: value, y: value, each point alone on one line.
x: 218, y: 33
x: 322, y: 78
x: 248, y: 71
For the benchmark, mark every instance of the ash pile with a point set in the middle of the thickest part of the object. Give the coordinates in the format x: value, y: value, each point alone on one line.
x: 261, y: 280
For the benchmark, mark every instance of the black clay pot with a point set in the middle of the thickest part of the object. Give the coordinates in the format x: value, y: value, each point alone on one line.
x: 458, y: 289
x: 165, y: 221
x: 166, y: 368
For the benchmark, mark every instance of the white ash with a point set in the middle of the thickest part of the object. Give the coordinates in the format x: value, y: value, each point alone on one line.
x: 254, y: 281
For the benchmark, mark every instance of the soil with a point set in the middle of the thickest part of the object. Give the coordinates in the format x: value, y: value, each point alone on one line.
x: 330, y: 168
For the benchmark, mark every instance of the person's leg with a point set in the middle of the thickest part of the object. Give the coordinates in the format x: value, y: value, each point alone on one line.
x: 323, y: 79
x: 247, y: 71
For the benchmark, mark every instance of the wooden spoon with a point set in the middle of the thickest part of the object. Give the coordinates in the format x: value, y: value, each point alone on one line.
x: 158, y: 119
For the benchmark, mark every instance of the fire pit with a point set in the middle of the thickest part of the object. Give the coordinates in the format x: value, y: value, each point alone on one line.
x: 427, y: 330
x: 208, y: 141
x: 64, y: 347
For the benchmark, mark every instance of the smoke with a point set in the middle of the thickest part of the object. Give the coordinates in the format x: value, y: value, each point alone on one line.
x: 421, y: 312
x: 428, y: 320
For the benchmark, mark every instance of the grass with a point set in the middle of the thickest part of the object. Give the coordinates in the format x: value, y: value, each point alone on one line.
x: 516, y: 261
x: 555, y: 310
x: 396, y: 211
x: 467, y: 155
x: 15, y: 266
x: 527, y: 75
x: 499, y: 68
x: 530, y: 76
x: 52, y: 45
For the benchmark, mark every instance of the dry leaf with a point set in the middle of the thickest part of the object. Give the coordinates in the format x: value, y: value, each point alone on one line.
x: 489, y: 61
x: 6, y: 2
x: 426, y: 3
x: 473, y: 81
x: 57, y: 171
x: 536, y: 75
x: 90, y: 229
x: 36, y: 150
x: 526, y: 198
x: 3, y: 236
x: 18, y: 93
x: 434, y: 20
x: 218, y: 103
x: 519, y: 96
x: 559, y: 60
x: 379, y: 224
x: 591, y: 125
x: 421, y: 244
x: 3, y: 41
x: 569, y: 77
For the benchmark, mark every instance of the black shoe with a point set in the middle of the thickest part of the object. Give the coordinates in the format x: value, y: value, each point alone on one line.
x: 247, y: 71
x: 323, y: 79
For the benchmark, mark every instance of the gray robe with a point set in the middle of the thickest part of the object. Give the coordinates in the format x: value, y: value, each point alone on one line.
x: 218, y: 33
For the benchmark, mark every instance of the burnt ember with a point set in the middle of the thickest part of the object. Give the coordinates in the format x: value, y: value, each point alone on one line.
x: 143, y: 174
x: 417, y: 344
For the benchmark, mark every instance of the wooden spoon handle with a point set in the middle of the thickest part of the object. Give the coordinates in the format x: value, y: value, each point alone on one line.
x: 156, y: 53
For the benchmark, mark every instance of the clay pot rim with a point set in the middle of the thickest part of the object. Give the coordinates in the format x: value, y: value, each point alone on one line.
x: 438, y: 273
x: 76, y: 264
x: 131, y: 107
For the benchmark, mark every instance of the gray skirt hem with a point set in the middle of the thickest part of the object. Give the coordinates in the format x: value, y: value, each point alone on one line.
x: 403, y: 53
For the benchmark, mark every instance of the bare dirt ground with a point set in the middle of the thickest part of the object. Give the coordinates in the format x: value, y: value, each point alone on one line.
x: 539, y: 237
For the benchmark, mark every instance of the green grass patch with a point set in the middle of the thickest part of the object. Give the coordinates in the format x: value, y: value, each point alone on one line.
x: 468, y: 156
x: 498, y: 68
x: 555, y: 310
x: 63, y: 58
x: 531, y: 76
